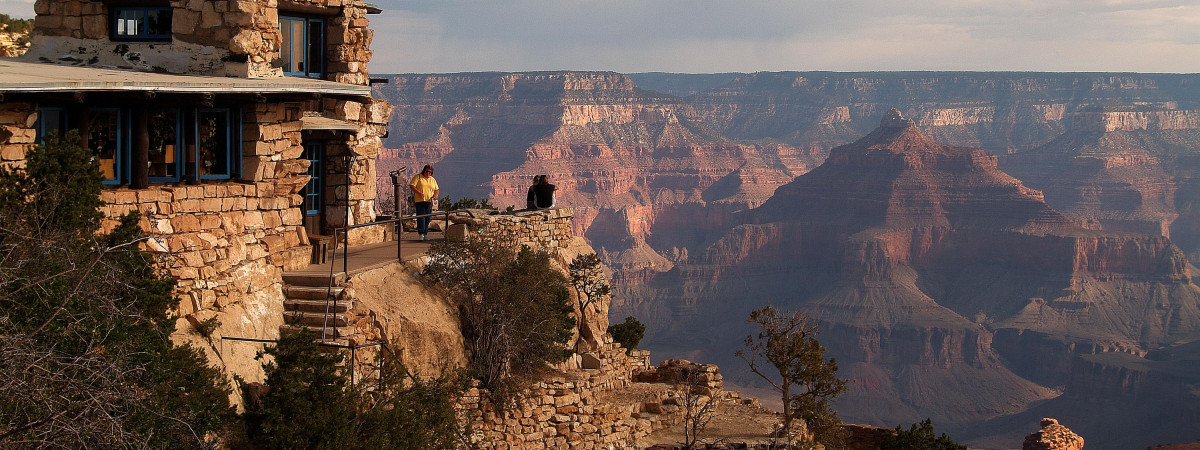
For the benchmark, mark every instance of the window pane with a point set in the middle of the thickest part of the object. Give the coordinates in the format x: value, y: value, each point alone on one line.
x: 103, y: 129
x: 298, y: 52
x: 158, y: 22
x: 140, y: 22
x: 51, y: 120
x: 213, y: 131
x: 316, y: 46
x: 312, y: 190
x: 164, y: 141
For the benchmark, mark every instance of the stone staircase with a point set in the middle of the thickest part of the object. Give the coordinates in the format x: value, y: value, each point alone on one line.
x: 306, y: 297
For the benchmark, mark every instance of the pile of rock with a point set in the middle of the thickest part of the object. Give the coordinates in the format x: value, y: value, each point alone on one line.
x: 1053, y: 436
x: 706, y: 377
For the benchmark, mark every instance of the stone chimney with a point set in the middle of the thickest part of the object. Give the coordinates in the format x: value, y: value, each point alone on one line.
x: 1053, y: 436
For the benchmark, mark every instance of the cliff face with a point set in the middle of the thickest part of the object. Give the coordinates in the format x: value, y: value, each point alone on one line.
x: 927, y: 267
x: 651, y: 175
x: 947, y: 288
x: 620, y: 156
x: 1132, y: 171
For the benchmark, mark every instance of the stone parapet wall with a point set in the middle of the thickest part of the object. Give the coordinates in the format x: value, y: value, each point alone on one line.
x: 546, y: 229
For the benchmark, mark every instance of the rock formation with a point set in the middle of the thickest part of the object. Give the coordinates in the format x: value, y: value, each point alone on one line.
x: 934, y: 272
x: 654, y: 177
x: 1125, y: 170
x: 624, y: 159
x: 1053, y: 436
x: 924, y: 263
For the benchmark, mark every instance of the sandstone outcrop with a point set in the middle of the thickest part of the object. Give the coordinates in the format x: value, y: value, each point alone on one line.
x: 1053, y: 436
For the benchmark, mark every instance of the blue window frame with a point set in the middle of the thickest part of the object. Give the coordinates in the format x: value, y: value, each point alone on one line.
x: 141, y: 23
x: 212, y: 150
x: 50, y: 120
x: 303, y: 49
x: 315, y: 153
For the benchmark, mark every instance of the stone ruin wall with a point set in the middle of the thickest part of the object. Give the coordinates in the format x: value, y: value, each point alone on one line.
x: 570, y: 411
x: 222, y: 38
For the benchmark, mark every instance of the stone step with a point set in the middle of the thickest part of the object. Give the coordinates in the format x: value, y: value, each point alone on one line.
x: 334, y: 332
x: 315, y: 306
x: 315, y: 319
x: 312, y: 278
x: 311, y: 292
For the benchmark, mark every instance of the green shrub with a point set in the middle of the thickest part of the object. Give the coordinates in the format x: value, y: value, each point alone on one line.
x: 309, y: 403
x: 921, y: 437
x: 514, y: 307
x: 628, y: 333
x: 445, y: 204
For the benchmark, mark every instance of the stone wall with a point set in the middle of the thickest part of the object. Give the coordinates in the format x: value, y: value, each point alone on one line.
x: 223, y: 38
x: 547, y: 229
x: 228, y: 242
x: 17, y: 134
x: 572, y: 410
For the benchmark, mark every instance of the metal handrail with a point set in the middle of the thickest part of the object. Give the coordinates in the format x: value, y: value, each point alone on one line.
x: 345, y: 232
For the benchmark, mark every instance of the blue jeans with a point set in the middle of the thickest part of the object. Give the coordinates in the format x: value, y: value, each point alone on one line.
x: 423, y: 222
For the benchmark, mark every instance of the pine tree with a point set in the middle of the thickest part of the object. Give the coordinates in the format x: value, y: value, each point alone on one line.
x: 85, y: 321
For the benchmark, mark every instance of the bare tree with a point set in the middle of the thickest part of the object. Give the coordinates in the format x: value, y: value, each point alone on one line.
x: 785, y: 352
x: 699, y: 403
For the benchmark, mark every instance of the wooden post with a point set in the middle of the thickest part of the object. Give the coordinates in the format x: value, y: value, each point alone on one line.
x: 139, y: 173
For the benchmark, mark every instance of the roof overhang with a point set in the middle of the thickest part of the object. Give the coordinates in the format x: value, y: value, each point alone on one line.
x: 29, y: 77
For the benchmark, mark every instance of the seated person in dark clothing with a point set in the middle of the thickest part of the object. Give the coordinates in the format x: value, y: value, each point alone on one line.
x: 543, y: 193
x: 530, y: 198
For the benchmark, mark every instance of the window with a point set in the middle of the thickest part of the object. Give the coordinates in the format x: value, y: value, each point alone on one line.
x: 303, y: 51
x: 142, y: 23
x: 50, y: 120
x: 185, y: 143
x: 165, y: 145
x: 211, y: 144
x: 105, y: 139
x: 314, y: 152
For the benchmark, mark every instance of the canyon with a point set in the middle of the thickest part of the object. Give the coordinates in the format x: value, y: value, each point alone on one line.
x: 946, y: 288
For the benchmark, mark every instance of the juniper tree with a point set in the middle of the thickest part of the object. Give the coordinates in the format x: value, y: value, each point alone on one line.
x: 785, y: 352
x: 85, y: 321
x: 591, y: 286
x: 514, y: 308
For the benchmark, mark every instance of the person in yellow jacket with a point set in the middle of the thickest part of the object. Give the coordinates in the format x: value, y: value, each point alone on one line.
x: 424, y: 191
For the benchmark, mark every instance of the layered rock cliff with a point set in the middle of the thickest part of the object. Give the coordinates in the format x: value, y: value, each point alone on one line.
x: 917, y: 257
x: 1125, y: 169
x: 620, y: 156
x: 653, y: 176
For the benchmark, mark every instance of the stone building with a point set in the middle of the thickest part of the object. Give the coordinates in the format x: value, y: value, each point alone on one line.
x: 239, y: 129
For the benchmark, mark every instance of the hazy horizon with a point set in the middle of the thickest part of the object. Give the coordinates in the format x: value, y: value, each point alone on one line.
x: 676, y: 36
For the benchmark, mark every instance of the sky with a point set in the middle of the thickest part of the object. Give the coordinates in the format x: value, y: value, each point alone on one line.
x: 697, y: 36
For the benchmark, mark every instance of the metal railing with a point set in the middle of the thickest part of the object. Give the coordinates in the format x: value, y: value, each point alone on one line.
x: 344, y: 232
